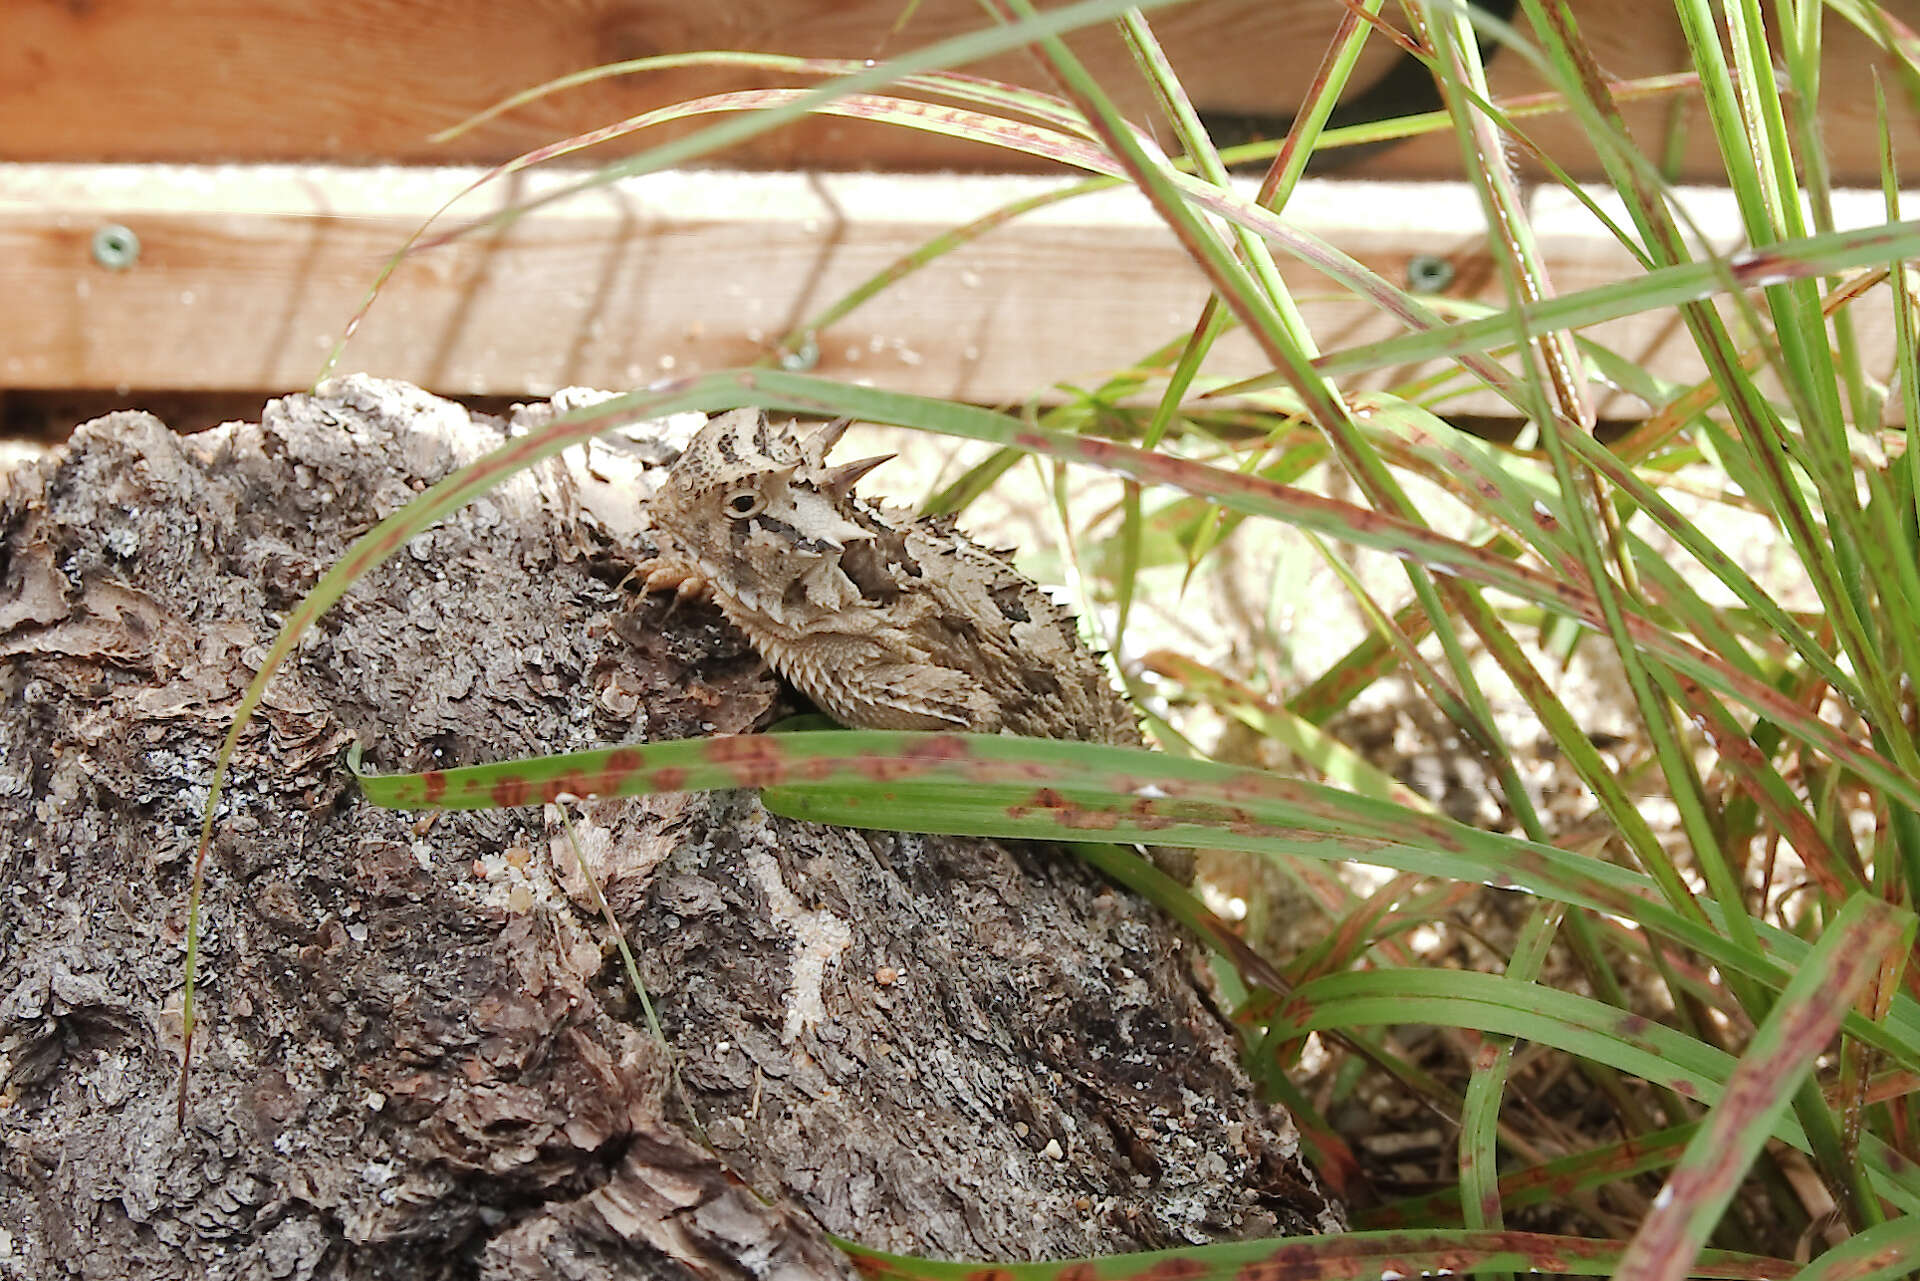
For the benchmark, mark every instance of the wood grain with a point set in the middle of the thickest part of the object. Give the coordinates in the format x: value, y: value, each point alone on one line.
x: 247, y: 275
x: 369, y: 80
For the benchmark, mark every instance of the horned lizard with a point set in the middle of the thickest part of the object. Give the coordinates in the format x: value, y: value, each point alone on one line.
x: 886, y: 620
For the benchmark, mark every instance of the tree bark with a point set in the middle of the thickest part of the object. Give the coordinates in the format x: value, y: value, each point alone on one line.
x: 421, y: 1056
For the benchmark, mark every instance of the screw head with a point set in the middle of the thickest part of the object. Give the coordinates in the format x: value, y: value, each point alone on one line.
x: 115, y: 247
x: 1428, y: 273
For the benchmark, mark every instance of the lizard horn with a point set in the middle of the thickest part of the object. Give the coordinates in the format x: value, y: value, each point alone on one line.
x: 825, y: 439
x: 838, y: 480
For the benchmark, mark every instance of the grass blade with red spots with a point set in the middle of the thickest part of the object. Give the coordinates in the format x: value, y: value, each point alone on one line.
x: 1888, y: 1250
x: 1045, y: 789
x: 1866, y: 935
x: 713, y: 391
x: 1810, y: 256
x: 1352, y: 1256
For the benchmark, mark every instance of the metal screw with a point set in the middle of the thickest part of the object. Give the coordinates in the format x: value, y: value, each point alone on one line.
x: 115, y: 247
x: 1428, y: 273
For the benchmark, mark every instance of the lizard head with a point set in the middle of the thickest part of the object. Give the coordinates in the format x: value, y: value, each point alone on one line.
x: 751, y: 501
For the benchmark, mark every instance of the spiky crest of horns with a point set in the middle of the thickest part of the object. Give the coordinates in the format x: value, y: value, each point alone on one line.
x: 745, y: 442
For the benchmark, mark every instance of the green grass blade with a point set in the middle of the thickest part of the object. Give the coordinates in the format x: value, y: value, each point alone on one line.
x: 1047, y: 789
x: 1818, y: 255
x: 1350, y: 1256
x: 1865, y: 935
x: 1480, y: 1205
x: 1881, y: 1253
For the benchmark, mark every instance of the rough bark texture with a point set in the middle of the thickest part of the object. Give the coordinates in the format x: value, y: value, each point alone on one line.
x: 421, y: 1057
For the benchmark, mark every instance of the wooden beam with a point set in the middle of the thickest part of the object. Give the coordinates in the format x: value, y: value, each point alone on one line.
x: 365, y: 81
x: 368, y: 81
x: 245, y: 276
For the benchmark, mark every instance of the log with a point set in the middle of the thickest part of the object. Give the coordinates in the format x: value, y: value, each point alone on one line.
x: 421, y: 1056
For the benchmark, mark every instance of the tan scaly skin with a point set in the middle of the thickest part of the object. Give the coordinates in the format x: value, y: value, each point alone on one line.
x: 884, y: 619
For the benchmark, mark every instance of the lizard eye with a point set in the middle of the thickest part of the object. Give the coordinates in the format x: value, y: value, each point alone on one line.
x: 742, y: 503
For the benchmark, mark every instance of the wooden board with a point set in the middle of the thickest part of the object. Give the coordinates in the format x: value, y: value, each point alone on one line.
x: 367, y: 81
x: 247, y: 275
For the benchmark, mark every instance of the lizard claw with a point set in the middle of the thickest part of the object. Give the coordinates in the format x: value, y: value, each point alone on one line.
x: 665, y: 576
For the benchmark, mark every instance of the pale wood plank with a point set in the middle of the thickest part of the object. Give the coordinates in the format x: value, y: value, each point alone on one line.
x: 367, y: 81
x: 247, y: 274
